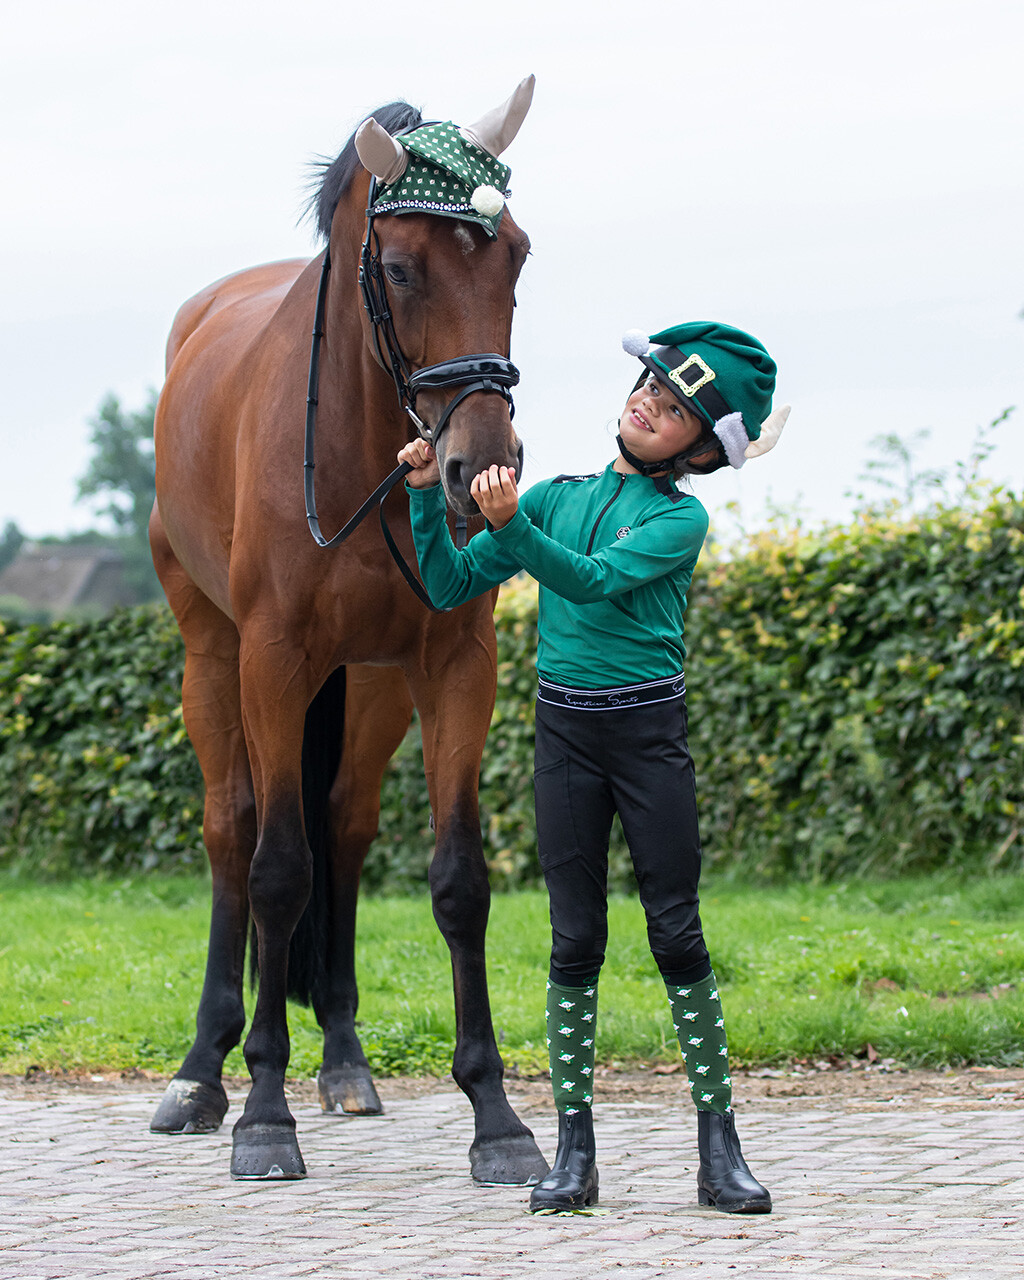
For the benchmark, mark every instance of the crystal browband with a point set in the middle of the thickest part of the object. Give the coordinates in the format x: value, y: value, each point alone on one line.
x: 426, y: 206
x: 627, y: 695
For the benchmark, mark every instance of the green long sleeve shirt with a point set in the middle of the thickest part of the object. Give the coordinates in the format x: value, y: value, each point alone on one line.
x: 613, y: 555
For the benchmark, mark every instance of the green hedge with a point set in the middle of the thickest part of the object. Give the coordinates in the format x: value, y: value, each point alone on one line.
x: 856, y: 705
x: 858, y: 696
x: 96, y: 769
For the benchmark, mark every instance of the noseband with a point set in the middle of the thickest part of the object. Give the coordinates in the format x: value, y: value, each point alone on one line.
x: 487, y: 372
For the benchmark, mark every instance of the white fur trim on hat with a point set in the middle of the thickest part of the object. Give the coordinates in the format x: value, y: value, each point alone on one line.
x: 635, y: 342
x: 487, y: 200
x: 733, y: 435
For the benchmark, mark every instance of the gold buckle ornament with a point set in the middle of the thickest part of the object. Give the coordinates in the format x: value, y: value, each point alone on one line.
x: 690, y: 388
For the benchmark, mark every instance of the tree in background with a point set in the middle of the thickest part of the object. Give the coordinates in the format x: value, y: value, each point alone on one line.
x: 901, y: 484
x: 122, y: 469
x: 10, y: 543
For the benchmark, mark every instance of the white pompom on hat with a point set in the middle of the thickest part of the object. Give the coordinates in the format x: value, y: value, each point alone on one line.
x: 635, y: 342
x: 487, y: 200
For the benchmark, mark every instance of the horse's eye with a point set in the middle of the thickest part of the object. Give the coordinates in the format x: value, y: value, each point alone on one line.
x: 395, y: 274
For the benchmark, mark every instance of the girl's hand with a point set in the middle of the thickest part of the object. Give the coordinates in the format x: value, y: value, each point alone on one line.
x: 496, y: 495
x: 421, y: 457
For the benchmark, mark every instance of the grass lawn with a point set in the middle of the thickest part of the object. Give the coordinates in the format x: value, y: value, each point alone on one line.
x: 105, y: 975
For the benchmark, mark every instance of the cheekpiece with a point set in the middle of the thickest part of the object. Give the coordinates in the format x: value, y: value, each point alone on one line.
x: 442, y: 176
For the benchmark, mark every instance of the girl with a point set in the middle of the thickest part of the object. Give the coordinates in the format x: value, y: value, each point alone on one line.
x: 613, y: 554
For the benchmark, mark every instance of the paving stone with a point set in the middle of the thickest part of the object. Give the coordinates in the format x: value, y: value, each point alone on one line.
x: 86, y: 1190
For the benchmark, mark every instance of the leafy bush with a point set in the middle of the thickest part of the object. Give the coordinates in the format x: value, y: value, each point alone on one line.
x: 856, y: 705
x: 858, y: 695
x: 95, y: 767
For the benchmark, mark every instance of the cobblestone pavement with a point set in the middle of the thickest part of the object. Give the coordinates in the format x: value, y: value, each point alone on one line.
x: 921, y: 1194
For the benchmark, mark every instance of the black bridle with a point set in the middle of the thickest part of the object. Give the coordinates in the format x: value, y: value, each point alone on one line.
x: 482, y: 372
x: 486, y: 372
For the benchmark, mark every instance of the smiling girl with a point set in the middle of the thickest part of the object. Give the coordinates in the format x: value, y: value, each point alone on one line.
x: 613, y: 554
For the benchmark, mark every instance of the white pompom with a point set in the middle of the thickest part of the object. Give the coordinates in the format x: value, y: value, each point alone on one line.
x: 635, y: 342
x: 487, y: 200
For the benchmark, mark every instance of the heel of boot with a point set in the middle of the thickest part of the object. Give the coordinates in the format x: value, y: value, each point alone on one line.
x: 705, y: 1198
x: 563, y: 1191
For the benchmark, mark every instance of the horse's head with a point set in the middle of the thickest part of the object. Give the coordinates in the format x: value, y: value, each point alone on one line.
x: 445, y: 269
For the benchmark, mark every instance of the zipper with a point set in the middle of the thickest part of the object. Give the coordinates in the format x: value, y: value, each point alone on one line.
x: 601, y: 515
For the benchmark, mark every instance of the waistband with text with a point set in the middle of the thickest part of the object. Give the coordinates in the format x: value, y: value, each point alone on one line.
x: 627, y: 695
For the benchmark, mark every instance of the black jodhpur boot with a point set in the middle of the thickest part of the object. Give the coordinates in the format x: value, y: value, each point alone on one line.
x: 723, y: 1179
x: 572, y: 1182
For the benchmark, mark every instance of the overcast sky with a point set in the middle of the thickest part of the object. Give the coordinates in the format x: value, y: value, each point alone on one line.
x: 843, y: 181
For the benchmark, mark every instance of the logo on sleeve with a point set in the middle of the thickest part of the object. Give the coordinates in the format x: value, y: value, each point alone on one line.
x: 621, y: 533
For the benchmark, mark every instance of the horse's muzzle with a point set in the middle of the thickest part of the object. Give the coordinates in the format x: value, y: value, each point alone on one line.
x: 458, y: 473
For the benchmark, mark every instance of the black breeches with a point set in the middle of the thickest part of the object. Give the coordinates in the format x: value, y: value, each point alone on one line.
x: 588, y: 766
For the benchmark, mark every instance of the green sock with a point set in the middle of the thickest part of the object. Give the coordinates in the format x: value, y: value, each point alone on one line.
x: 572, y: 1024
x: 697, y: 1017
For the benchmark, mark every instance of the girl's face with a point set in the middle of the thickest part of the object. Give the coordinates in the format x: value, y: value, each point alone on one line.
x: 655, y: 424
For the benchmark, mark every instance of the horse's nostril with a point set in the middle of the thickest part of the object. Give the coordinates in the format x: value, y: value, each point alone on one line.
x: 456, y: 480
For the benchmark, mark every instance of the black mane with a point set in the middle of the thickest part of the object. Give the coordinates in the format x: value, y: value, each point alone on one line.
x: 331, y: 177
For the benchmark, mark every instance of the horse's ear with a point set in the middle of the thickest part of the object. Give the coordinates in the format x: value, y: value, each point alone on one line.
x: 771, y: 429
x: 494, y: 131
x: 382, y: 154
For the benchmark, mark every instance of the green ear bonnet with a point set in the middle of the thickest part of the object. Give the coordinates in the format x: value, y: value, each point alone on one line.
x: 447, y: 174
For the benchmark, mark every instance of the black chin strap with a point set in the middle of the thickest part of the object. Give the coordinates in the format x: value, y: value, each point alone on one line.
x: 666, y: 464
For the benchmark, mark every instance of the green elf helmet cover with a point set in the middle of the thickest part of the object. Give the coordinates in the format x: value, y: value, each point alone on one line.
x: 725, y: 376
x: 444, y: 169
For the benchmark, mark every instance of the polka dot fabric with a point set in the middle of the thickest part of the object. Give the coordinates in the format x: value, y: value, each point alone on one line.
x: 443, y: 172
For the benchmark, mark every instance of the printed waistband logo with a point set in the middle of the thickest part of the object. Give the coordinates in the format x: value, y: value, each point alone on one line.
x: 612, y: 700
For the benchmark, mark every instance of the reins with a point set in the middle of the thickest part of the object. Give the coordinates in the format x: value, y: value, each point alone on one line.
x: 485, y: 372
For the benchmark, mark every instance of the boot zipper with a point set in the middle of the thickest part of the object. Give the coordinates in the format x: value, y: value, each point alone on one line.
x: 593, y: 532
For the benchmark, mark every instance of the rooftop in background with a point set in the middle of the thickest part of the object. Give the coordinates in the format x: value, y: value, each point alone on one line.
x: 58, y: 578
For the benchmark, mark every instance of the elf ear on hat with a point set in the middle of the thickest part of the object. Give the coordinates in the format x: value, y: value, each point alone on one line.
x: 724, y: 375
x: 440, y: 168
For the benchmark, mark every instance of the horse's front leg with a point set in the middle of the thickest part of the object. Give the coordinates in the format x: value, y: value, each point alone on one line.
x: 277, y: 687
x: 455, y: 707
x: 195, y: 1101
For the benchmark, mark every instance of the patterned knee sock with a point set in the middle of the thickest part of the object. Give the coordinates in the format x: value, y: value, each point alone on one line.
x: 572, y: 1023
x: 697, y: 1017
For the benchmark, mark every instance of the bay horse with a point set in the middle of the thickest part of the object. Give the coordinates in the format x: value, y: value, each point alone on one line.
x: 303, y: 665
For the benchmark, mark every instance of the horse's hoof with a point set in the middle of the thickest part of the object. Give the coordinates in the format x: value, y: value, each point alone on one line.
x: 190, y: 1106
x: 514, y: 1161
x: 267, y: 1151
x: 349, y: 1090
